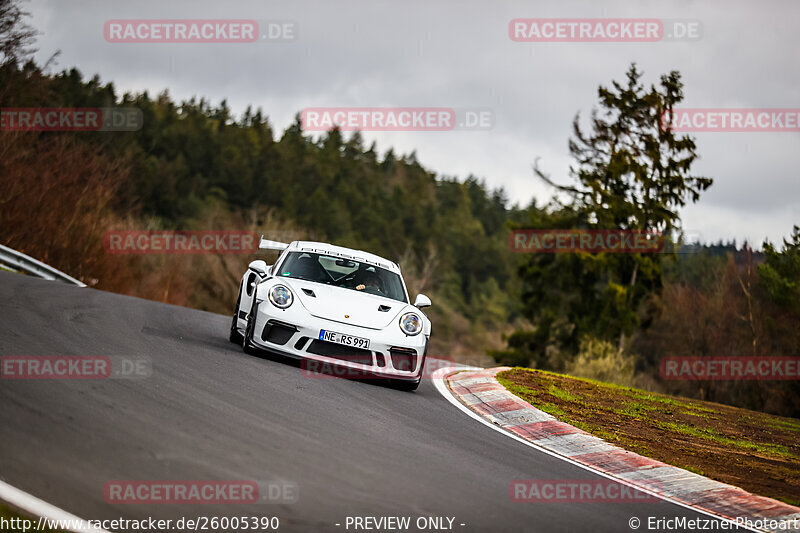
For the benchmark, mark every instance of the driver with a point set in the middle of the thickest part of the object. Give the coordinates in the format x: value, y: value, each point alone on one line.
x: 371, y: 280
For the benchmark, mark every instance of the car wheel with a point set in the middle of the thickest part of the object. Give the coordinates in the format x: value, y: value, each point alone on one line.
x: 247, y: 340
x: 234, y: 336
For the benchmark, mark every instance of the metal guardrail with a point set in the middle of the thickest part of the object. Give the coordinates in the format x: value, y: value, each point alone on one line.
x: 25, y: 263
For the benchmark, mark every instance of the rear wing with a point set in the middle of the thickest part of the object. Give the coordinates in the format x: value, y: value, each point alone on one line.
x: 264, y: 244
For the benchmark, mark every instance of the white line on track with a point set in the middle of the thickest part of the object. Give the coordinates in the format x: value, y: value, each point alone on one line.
x: 40, y: 508
x: 439, y: 377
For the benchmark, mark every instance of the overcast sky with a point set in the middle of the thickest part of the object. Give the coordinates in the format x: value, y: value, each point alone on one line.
x: 458, y: 54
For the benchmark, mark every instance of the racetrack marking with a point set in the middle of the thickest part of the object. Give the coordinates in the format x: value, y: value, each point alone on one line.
x: 689, y: 488
x: 26, y: 502
x: 439, y: 377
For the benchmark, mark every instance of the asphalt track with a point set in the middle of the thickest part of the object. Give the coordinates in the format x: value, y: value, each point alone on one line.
x: 208, y: 411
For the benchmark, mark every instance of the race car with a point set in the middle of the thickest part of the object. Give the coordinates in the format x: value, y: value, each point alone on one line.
x: 333, y: 306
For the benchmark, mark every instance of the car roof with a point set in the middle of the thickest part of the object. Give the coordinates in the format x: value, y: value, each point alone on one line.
x: 341, y: 251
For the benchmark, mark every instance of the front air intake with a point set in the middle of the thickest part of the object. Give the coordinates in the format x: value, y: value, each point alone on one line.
x: 340, y: 351
x: 403, y: 359
x: 278, y: 332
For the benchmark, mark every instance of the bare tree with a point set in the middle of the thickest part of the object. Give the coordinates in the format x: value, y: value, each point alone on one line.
x: 16, y: 35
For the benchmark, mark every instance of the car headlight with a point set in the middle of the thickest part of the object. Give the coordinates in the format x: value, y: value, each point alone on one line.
x: 411, y: 323
x: 281, y: 296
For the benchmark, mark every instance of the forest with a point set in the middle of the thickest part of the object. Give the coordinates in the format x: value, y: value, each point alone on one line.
x: 197, y: 165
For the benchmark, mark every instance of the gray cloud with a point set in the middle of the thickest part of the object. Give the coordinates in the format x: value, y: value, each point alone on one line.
x: 458, y: 54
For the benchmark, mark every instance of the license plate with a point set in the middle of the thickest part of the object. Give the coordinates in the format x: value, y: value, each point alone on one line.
x: 347, y: 340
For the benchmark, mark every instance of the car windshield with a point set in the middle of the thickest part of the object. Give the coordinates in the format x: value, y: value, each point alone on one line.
x: 345, y: 273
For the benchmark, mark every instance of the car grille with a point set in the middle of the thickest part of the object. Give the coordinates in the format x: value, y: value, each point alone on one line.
x: 340, y: 351
x: 301, y: 343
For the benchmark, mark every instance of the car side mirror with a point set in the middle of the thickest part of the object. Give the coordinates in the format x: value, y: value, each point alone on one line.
x: 422, y: 301
x: 259, y: 267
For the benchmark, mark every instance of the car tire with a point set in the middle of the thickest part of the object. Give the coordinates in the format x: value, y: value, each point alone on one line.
x: 234, y: 336
x: 249, y: 331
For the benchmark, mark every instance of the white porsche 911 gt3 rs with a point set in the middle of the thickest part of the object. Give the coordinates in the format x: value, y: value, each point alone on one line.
x: 335, y: 306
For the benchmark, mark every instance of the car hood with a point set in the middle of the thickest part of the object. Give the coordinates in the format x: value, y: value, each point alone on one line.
x: 346, y: 305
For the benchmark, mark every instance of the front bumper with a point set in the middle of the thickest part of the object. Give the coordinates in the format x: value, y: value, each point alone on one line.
x: 294, y: 333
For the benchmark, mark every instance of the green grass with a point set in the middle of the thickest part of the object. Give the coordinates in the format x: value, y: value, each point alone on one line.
x: 561, y: 394
x: 635, y: 409
x: 657, y: 398
x: 641, y: 404
x: 678, y: 431
x: 530, y: 395
x: 639, y: 410
x: 694, y: 470
x: 519, y: 390
x: 635, y: 394
x: 554, y: 410
x: 692, y: 413
x: 709, y: 434
x: 789, y: 425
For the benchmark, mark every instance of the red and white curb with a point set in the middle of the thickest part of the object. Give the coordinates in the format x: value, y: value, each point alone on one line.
x: 479, y: 393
